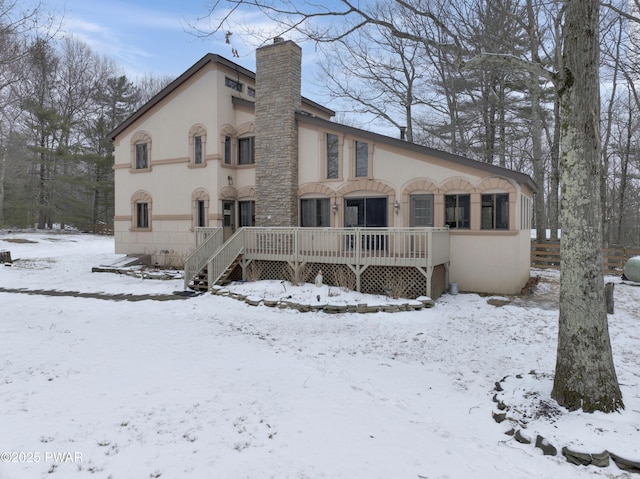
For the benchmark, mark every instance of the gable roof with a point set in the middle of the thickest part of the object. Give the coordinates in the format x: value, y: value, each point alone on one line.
x: 195, y: 68
x: 520, y: 178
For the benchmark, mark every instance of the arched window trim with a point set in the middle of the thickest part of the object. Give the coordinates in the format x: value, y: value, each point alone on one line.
x: 200, y: 195
x: 140, y: 138
x: 198, y: 130
x: 139, y: 223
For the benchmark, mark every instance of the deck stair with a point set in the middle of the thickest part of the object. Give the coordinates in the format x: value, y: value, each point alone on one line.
x: 212, y: 264
x: 224, y: 277
x: 200, y: 282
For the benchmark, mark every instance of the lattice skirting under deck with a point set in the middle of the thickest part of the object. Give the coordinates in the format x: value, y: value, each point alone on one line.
x: 402, y: 281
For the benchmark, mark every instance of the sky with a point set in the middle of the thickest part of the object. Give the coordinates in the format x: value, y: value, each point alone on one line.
x: 143, y: 36
x: 157, y: 36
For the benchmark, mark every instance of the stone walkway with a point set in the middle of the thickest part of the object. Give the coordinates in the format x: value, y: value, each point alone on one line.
x: 110, y: 297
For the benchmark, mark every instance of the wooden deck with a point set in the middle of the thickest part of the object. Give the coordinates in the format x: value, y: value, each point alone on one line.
x: 358, y: 248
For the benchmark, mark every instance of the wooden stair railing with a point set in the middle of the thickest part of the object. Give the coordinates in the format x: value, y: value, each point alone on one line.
x: 219, y: 265
x: 197, y: 261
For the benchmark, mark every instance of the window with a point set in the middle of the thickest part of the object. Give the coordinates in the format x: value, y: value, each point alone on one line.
x: 197, y: 145
x: 234, y: 84
x: 140, y: 145
x: 199, y: 208
x: 362, y: 159
x: 141, y: 207
x: 333, y: 159
x: 314, y: 212
x: 142, y: 215
x: 197, y: 150
x: 247, y: 213
x: 421, y: 213
x: 142, y: 156
x: 457, y: 211
x: 227, y: 150
x: 201, y: 211
x: 495, y: 211
x: 525, y: 213
x: 367, y: 212
x: 251, y: 92
x: 246, y: 151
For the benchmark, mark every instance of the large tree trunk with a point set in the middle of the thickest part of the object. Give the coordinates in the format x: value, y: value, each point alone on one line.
x: 585, y: 376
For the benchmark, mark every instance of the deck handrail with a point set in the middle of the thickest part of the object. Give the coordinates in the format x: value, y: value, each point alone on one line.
x: 358, y: 246
x: 203, y: 233
x: 208, y: 241
x: 225, y: 256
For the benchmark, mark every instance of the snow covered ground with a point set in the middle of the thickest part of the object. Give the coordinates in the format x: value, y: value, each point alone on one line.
x: 209, y: 387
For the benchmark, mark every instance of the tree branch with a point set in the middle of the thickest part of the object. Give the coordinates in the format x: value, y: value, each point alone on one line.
x: 510, y: 61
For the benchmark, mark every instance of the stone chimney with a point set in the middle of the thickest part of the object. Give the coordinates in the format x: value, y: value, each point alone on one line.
x: 278, y: 85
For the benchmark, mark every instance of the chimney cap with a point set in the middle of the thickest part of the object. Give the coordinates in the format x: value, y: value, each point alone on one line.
x: 278, y: 39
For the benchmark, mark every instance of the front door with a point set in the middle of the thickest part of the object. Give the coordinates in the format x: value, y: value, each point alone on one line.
x: 228, y: 219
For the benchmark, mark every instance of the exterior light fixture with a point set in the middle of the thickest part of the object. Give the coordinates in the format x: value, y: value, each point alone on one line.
x: 334, y: 207
x: 230, y: 180
x: 396, y: 206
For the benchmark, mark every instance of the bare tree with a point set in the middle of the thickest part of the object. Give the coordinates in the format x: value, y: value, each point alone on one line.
x: 535, y: 89
x: 149, y: 85
x: 377, y: 73
x: 17, y: 24
x: 492, y: 94
x: 621, y: 70
x: 38, y: 96
x: 443, y: 125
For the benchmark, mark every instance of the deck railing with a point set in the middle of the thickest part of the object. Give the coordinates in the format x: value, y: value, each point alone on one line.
x: 416, y: 247
x: 208, y: 241
x: 204, y: 233
x: 225, y: 256
x: 359, y: 246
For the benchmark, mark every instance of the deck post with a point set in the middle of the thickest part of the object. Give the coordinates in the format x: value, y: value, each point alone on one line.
x: 210, y: 274
x: 427, y: 272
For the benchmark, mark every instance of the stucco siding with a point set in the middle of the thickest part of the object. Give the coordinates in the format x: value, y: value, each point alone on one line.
x: 168, y: 243
x: 489, y: 263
